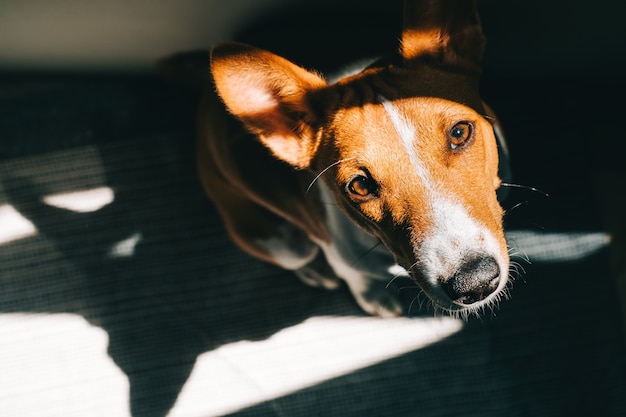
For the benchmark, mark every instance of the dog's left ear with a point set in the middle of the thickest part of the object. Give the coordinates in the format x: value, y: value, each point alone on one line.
x: 269, y: 95
x: 447, y: 31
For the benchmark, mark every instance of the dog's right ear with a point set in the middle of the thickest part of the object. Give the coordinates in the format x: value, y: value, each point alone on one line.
x: 446, y: 30
x: 269, y: 95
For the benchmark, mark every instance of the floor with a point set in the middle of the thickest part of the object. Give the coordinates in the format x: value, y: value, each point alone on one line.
x: 121, y: 295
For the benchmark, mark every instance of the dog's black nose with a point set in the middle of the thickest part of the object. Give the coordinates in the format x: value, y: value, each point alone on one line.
x: 474, y: 281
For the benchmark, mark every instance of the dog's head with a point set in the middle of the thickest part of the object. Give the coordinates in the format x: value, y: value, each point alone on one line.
x: 405, y: 145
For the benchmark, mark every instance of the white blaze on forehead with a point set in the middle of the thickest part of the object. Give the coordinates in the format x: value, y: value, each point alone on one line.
x: 407, y: 133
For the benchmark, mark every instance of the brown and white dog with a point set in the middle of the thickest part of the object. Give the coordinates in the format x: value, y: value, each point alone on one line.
x: 312, y: 175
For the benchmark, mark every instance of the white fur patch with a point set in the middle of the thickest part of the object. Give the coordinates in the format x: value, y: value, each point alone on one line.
x: 454, y: 235
x: 407, y: 133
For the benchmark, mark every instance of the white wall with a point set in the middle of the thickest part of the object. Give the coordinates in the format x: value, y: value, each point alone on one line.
x: 115, y: 34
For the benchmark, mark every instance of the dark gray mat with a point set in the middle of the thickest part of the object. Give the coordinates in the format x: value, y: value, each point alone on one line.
x: 179, y: 288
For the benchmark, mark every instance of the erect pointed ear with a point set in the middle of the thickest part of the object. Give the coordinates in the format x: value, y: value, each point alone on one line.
x: 447, y: 30
x: 269, y: 95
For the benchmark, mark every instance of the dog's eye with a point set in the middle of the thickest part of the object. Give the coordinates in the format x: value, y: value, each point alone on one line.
x: 460, y: 135
x: 361, y: 188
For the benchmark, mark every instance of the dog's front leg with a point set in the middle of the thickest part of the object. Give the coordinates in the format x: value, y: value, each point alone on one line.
x: 374, y: 297
x: 291, y: 249
x: 369, y: 287
x: 318, y: 273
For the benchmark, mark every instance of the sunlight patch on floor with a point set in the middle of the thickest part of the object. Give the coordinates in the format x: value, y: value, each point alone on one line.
x: 61, y: 367
x: 540, y: 246
x: 82, y: 201
x: 243, y: 374
x: 14, y: 226
x: 126, y: 248
x: 57, y: 366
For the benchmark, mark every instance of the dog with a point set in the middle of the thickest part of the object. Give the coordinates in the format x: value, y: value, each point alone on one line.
x: 389, y: 171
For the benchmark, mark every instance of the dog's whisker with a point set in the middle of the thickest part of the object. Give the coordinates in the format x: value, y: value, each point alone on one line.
x: 518, y: 205
x: 521, y: 257
x: 518, y: 254
x: 516, y: 270
x: 412, y: 266
x: 525, y: 187
x: 318, y: 176
x: 367, y: 252
x: 395, y: 277
x: 517, y: 267
x: 411, y: 305
x: 424, y: 300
